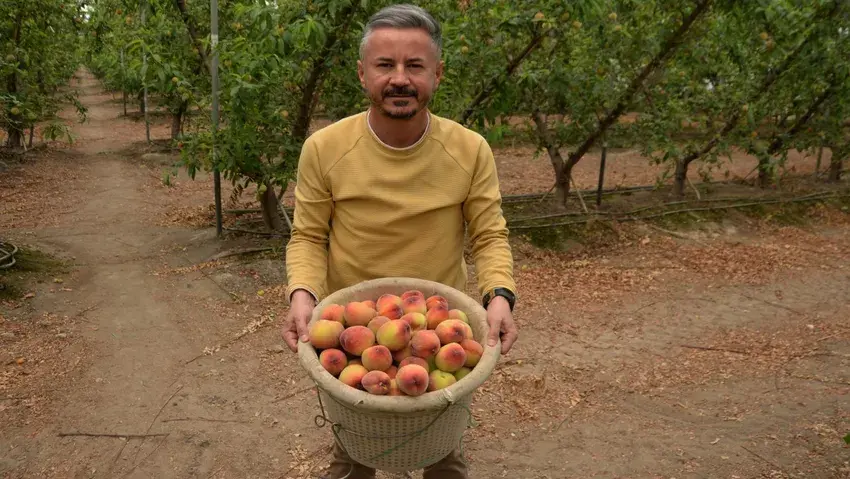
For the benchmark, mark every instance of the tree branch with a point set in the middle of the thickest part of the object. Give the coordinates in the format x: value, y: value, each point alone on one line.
x: 193, y: 33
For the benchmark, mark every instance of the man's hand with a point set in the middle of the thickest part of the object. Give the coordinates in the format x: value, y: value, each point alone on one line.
x: 501, y: 322
x: 295, y: 326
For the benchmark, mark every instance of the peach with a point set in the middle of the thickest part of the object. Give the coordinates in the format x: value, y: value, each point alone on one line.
x: 416, y: 321
x: 377, y: 322
x: 325, y: 334
x: 433, y: 301
x: 356, y: 361
x: 377, y: 358
x: 394, y: 390
x: 474, y: 350
x: 414, y: 360
x: 412, y: 292
x: 395, y: 334
x: 432, y: 363
x: 401, y: 354
x: 358, y: 314
x: 376, y: 382
x: 391, y: 310
x: 386, y: 300
x: 333, y: 360
x: 391, y: 372
x: 440, y: 380
x: 469, y: 334
x: 334, y: 312
x: 451, y: 331
x: 353, y: 375
x: 458, y: 314
x: 424, y: 344
x: 450, y: 358
x: 371, y: 304
x: 356, y: 339
x: 436, y: 315
x: 412, y: 380
x: 461, y: 373
x: 414, y: 304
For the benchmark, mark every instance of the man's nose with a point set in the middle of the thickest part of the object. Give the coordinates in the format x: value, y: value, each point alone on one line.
x: 399, y: 76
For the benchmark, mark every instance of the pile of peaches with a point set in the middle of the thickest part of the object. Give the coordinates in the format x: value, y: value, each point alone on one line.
x: 396, y: 345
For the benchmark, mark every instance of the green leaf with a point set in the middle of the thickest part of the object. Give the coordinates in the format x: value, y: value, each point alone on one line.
x: 847, y: 439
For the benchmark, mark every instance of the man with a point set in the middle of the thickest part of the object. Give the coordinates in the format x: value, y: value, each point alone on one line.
x: 388, y: 192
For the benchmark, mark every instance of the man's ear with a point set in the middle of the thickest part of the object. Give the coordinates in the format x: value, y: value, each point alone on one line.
x: 439, y: 74
x: 361, y: 73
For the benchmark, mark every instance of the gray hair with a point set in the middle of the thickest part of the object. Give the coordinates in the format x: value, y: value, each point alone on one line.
x: 404, y: 16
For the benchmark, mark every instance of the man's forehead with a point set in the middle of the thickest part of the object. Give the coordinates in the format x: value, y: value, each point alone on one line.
x: 412, y: 41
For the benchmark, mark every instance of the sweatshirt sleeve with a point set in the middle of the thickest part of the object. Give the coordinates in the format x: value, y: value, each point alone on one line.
x: 307, y: 250
x: 487, y: 227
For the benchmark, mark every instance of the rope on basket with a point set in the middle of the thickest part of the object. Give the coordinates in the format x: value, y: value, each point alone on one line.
x: 322, y: 419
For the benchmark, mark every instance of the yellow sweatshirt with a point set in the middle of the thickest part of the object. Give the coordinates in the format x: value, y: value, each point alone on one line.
x: 365, y: 210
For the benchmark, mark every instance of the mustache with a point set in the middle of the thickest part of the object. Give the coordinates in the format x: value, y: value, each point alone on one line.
x: 400, y: 92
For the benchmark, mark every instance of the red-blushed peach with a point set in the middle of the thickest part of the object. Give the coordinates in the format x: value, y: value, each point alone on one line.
x: 325, y: 334
x: 371, y: 304
x: 414, y: 360
x: 386, y: 299
x: 414, y: 304
x: 433, y: 301
x: 412, y: 292
x: 398, y: 356
x: 376, y: 382
x: 458, y: 314
x: 358, y: 314
x: 356, y: 339
x: 450, y: 358
x: 394, y: 390
x: 333, y: 360
x: 474, y: 350
x: 451, y: 331
x: 412, y: 380
x: 469, y: 334
x: 334, y: 312
x: 440, y: 380
x: 392, y: 371
x: 395, y: 334
x: 377, y: 322
x: 353, y: 375
x: 461, y: 373
x: 391, y: 310
x: 416, y: 321
x: 356, y: 361
x: 424, y: 344
x: 436, y: 315
x: 377, y: 358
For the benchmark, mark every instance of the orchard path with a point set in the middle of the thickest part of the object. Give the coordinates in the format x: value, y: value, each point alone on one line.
x: 637, y: 364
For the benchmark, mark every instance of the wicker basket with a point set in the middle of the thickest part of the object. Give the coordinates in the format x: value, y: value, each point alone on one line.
x: 399, y: 433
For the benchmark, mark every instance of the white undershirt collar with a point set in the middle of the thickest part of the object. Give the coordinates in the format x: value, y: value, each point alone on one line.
x: 421, y: 138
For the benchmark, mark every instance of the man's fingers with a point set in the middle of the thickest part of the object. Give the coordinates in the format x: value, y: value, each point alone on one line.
x: 493, y: 335
x: 509, y: 339
x: 301, y: 324
x: 291, y: 340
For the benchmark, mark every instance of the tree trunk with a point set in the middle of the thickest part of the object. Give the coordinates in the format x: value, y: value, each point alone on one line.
x: 667, y: 49
x: 764, y: 173
x: 562, y: 168
x: 680, y: 177
x: 32, y: 133
x: 15, y: 133
x: 177, y: 120
x: 836, y: 163
x: 269, y: 206
x: 141, y: 97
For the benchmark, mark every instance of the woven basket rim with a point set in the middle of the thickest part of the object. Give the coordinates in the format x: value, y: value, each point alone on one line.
x: 430, y: 401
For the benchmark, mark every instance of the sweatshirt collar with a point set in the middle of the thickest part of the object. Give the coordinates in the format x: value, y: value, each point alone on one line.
x: 405, y: 149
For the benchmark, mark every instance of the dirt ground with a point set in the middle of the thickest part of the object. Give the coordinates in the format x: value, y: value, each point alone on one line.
x: 713, y: 355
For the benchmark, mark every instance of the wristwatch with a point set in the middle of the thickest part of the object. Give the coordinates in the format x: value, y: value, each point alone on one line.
x: 503, y: 292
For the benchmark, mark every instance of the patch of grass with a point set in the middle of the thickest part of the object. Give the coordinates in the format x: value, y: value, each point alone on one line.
x: 30, y: 265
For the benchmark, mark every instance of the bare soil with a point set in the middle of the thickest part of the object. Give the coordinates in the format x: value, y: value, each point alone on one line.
x: 721, y: 353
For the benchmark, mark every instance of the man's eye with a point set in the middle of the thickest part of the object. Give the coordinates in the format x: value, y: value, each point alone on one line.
x: 384, y: 65
x: 415, y: 66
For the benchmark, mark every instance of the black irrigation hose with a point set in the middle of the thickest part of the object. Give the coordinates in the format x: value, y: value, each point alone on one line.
x: 638, y: 210
x: 528, y: 197
x: 7, y: 258
x: 626, y: 216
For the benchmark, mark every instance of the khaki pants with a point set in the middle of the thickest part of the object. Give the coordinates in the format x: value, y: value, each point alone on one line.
x: 343, y: 467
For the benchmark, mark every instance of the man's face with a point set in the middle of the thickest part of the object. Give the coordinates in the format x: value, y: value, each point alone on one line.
x: 399, y: 71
